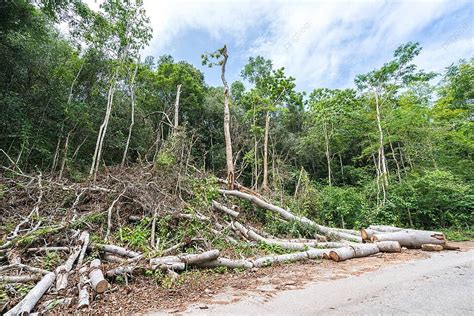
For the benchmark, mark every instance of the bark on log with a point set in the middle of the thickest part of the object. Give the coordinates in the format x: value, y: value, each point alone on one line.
x: 83, y: 300
x: 389, y: 246
x: 385, y: 228
x: 84, y: 243
x: 25, y: 306
x: 62, y: 271
x: 114, y: 259
x: 290, y: 216
x: 250, y: 234
x: 98, y: 283
x: 24, y: 267
x: 412, y: 238
x: 218, y: 206
x: 431, y: 247
x: 349, y: 252
x: 20, y: 278
x: 46, y: 249
x: 117, y: 250
x: 367, y: 233
x: 200, y: 257
x: 225, y: 262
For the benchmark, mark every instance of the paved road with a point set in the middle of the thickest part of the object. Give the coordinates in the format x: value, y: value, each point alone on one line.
x: 440, y: 285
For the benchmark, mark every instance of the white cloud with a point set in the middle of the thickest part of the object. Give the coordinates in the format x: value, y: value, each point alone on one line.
x: 321, y: 43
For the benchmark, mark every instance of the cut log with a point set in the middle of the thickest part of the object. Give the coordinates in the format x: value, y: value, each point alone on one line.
x: 83, y: 300
x: 431, y: 247
x: 116, y: 250
x: 412, y: 238
x: 367, y: 233
x: 25, y: 306
x: 98, y: 283
x: 389, y: 246
x: 290, y: 216
x: 20, y: 278
x: 218, y: 206
x: 349, y: 252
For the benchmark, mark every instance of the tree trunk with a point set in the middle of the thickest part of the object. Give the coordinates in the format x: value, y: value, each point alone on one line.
x: 389, y: 246
x: 25, y: 306
x: 412, y: 238
x: 132, y: 122
x: 103, y: 128
x: 265, y: 152
x: 228, y: 140
x: 98, y: 283
x: 66, y: 147
x: 328, y: 153
x: 83, y: 300
x: 176, y: 107
x: 222, y: 208
x: 355, y: 251
x: 116, y: 250
x: 381, y: 160
x: 290, y: 216
x: 62, y: 272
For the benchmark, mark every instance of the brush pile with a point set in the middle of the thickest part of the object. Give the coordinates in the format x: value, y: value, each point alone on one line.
x: 73, y: 240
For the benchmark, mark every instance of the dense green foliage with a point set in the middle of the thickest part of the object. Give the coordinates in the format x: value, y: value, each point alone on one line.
x: 324, y: 146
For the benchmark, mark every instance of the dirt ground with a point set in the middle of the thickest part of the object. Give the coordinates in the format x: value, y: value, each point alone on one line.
x: 203, y: 287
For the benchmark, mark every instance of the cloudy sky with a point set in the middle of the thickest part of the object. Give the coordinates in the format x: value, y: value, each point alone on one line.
x: 320, y: 43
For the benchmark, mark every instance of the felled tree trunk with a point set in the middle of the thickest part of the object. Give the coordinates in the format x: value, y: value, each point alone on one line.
x: 250, y: 234
x: 218, y: 206
x: 389, y: 246
x: 98, y: 283
x: 25, y: 306
x: 116, y: 250
x: 20, y: 278
x: 412, y: 238
x: 62, y: 272
x: 290, y: 216
x: 349, y: 252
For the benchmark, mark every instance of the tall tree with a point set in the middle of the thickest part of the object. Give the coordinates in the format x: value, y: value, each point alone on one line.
x: 221, y: 56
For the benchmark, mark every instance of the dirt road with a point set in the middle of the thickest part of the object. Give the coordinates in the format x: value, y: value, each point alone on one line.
x: 441, y: 284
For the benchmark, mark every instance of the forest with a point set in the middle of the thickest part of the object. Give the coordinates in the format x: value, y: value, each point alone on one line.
x: 82, y: 107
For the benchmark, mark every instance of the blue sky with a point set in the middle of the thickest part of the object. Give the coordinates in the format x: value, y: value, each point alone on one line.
x: 320, y: 43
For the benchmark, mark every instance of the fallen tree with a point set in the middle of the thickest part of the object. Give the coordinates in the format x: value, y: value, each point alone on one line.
x: 290, y: 216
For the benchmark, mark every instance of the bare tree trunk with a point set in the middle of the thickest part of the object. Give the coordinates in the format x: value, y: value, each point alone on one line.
x: 382, y: 162
x: 399, y: 176
x: 132, y: 122
x: 63, y: 163
x: 103, y: 128
x: 328, y: 154
x: 176, y: 107
x: 228, y: 141
x: 298, y: 183
x: 25, y: 306
x: 265, y: 152
x: 412, y: 238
